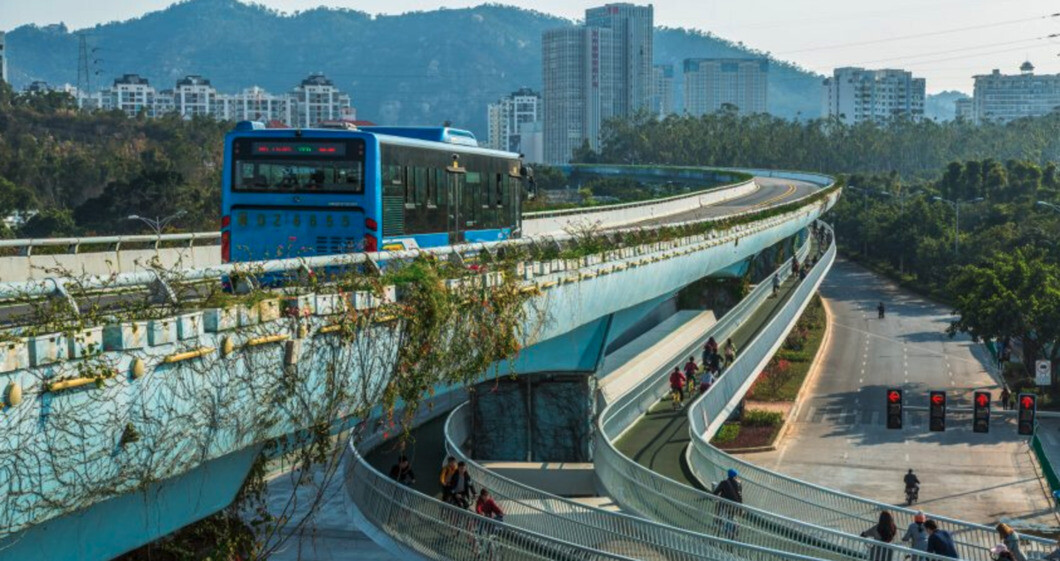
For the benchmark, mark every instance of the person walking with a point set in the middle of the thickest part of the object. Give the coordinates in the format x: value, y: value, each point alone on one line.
x: 939, y: 541
x: 1011, y: 539
x: 707, y: 382
x: 730, y: 352
x: 731, y: 490
x: 916, y: 534
x: 776, y: 283
x: 880, y: 310
x: 402, y: 472
x: 1004, y: 398
x: 884, y: 531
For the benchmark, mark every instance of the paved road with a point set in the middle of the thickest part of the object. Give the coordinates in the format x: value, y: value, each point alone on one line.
x: 771, y: 191
x: 840, y: 439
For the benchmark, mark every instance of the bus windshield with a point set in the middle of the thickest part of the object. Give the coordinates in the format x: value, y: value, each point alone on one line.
x: 299, y: 167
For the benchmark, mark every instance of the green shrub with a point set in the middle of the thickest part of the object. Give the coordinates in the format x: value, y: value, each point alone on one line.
x: 761, y: 419
x: 728, y: 433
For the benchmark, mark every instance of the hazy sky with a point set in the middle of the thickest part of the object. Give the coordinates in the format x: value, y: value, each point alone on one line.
x: 945, y: 41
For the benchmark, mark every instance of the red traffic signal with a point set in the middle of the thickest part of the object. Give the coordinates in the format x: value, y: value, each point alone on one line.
x: 937, y: 413
x: 1028, y: 408
x: 981, y: 412
x: 894, y: 408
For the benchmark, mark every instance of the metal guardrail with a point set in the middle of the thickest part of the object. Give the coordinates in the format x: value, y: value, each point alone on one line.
x: 602, y: 529
x: 429, y: 528
x: 704, y: 520
x: 25, y: 247
x: 788, y: 496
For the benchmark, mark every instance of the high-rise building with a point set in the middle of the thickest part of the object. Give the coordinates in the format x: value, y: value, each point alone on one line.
x: 1002, y: 98
x: 579, y: 94
x: 631, y: 31
x: 317, y: 99
x: 964, y: 109
x: 856, y: 95
x: 508, y: 114
x: 3, y: 58
x: 712, y: 84
x: 194, y: 96
x: 662, y: 97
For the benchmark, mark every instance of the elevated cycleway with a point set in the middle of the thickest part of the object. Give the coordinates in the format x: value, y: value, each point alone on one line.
x: 675, y: 494
x: 761, y: 535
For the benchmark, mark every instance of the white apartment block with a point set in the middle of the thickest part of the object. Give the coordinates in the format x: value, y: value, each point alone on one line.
x: 1002, y: 98
x: 506, y: 116
x: 194, y: 96
x: 662, y: 95
x: 315, y: 100
x: 711, y: 84
x: 856, y: 95
x: 130, y: 94
x: 254, y: 104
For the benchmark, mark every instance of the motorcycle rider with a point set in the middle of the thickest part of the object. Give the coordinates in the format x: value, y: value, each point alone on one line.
x: 912, y: 483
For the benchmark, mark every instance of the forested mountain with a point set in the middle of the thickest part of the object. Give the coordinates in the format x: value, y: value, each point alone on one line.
x: 414, y: 68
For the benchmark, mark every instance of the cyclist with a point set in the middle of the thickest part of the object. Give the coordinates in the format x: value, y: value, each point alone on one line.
x: 690, y: 374
x: 677, y: 386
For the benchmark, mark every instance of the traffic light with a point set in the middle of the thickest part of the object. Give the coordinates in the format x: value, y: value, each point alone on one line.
x: 937, y: 415
x: 894, y: 408
x: 981, y: 416
x: 1028, y: 406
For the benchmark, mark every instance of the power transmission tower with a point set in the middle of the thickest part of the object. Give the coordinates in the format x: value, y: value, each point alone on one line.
x: 84, y: 77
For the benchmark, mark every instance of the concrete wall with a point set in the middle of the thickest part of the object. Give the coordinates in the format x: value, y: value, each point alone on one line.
x: 620, y: 215
x: 18, y: 268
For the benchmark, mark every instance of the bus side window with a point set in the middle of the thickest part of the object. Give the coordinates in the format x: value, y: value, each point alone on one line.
x: 420, y: 184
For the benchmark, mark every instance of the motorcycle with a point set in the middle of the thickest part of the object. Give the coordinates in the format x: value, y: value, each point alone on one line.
x: 912, y: 495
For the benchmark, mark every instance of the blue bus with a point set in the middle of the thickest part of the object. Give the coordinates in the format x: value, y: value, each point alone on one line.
x: 307, y: 192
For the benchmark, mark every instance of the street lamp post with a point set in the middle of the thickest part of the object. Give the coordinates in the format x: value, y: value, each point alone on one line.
x: 1050, y: 206
x: 957, y: 217
x: 157, y: 224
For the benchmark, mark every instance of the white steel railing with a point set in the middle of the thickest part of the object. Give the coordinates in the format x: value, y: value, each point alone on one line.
x: 707, y: 521
x: 424, y: 527
x: 789, y: 496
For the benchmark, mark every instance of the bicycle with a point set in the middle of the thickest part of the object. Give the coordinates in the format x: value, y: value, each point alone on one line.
x: 675, y: 395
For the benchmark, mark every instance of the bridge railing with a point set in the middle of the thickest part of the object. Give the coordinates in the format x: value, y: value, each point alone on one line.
x: 708, y: 520
x: 788, y: 496
x: 423, y: 527
x: 651, y: 494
